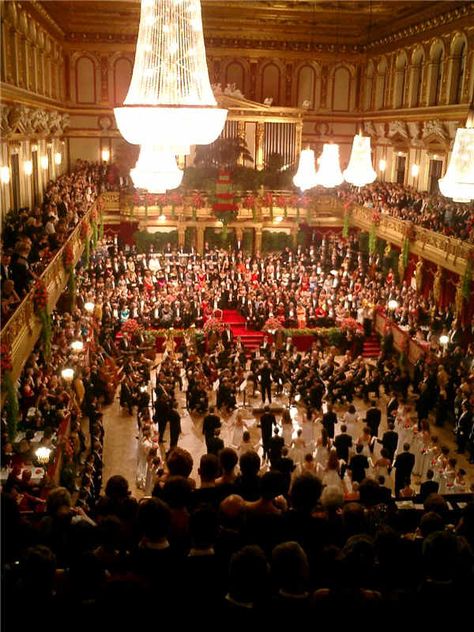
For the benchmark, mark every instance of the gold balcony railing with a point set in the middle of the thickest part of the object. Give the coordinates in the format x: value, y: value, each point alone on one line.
x: 23, y: 328
x: 449, y: 252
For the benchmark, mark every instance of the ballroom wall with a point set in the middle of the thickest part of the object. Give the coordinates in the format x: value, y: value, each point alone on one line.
x: 409, y: 92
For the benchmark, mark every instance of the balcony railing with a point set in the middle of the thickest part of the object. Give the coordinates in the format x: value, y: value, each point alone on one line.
x: 449, y: 252
x: 23, y: 328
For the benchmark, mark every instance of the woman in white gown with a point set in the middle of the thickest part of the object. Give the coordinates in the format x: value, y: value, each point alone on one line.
x: 287, y: 427
x: 448, y: 477
x: 421, y: 446
x: 351, y: 419
x: 307, y: 428
x: 323, y: 445
x: 299, y: 448
x: 144, y: 446
x: 238, y: 430
x: 331, y: 474
x: 153, y: 465
x: 383, y: 467
x: 366, y: 441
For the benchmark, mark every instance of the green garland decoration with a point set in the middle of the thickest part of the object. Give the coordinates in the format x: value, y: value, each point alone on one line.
x: 345, y: 226
x: 405, y: 252
x: 372, y: 239
x: 467, y: 281
x: 87, y: 252
x: 45, y: 331
x: 101, y: 226
x: 71, y: 286
x: 95, y: 234
x: 11, y: 405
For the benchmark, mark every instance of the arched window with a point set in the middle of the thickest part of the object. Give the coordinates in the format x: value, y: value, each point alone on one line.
x: 85, y: 80
x: 122, y: 76
x: 271, y: 83
x: 400, y: 81
x: 436, y: 78
x: 341, y: 89
x: 368, y: 86
x: 234, y: 74
x: 306, y: 88
x: 418, y: 61
x: 458, y: 70
x: 380, y: 84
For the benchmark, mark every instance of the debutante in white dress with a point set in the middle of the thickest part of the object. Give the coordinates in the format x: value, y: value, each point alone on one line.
x: 144, y: 447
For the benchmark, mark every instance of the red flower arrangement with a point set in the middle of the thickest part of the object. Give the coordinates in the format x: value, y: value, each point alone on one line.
x: 213, y: 325
x: 84, y: 229
x: 410, y: 231
x: 40, y: 296
x: 376, y: 217
x: 131, y: 326
x: 349, y: 324
x: 197, y: 200
x: 6, y: 358
x: 249, y: 202
x: 68, y: 256
x: 282, y: 201
x: 267, y: 199
x: 272, y: 324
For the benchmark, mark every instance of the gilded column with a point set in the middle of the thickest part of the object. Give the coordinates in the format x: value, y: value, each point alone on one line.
x: 258, y: 240
x: 104, y: 79
x: 253, y: 80
x: 241, y: 135
x: 259, y: 145
x: 181, y: 235
x: 200, y: 239
x: 288, y: 84
x: 299, y: 136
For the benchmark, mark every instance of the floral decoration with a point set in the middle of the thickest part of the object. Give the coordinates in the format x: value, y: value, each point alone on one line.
x: 68, y: 255
x: 213, y: 325
x: 349, y: 324
x: 272, y: 324
x: 40, y: 296
x: 6, y: 358
x: 131, y: 326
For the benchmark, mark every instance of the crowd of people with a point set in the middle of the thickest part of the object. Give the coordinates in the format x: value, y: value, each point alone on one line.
x: 429, y: 211
x: 31, y: 236
x: 321, y: 286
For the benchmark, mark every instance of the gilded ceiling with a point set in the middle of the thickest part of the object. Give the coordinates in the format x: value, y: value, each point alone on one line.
x: 349, y: 22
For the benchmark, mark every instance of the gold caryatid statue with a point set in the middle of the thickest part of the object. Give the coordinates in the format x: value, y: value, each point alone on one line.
x: 438, y: 278
x: 419, y: 276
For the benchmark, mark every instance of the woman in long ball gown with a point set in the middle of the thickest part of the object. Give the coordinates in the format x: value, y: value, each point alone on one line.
x: 383, y: 467
x: 299, y: 448
x: 238, y: 430
x: 323, y: 445
x: 331, y: 475
x: 287, y: 427
x: 144, y: 447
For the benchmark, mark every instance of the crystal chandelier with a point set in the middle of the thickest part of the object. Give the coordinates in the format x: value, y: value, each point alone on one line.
x: 305, y: 177
x: 458, y: 182
x: 156, y: 171
x: 360, y: 171
x: 329, y: 172
x: 170, y: 103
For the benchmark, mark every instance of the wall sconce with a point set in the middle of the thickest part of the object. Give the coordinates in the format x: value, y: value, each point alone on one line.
x: 415, y: 170
x: 15, y: 149
x: 44, y: 162
x: 67, y: 374
x: 58, y: 158
x: 105, y: 155
x: 77, y: 346
x: 43, y: 454
x: 5, y: 175
x: 28, y: 167
x: 34, y: 147
x: 162, y: 217
x: 382, y: 165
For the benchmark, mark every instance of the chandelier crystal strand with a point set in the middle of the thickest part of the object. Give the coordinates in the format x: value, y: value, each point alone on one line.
x: 458, y: 182
x: 170, y: 102
x: 329, y: 172
x: 360, y: 171
x: 156, y: 171
x: 305, y: 177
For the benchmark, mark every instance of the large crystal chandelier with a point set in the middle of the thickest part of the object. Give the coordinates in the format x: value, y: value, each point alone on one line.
x: 305, y: 177
x: 170, y: 103
x: 360, y: 171
x: 156, y: 171
x: 329, y: 172
x: 458, y: 181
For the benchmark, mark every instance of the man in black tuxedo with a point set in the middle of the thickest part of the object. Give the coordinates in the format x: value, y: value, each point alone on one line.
x: 389, y: 440
x: 403, y: 468
x: 227, y: 337
x: 428, y: 487
x: 267, y: 421
x: 174, y: 419
x: 210, y: 422
x: 329, y: 421
x: 372, y: 418
x: 392, y: 407
x: 463, y: 427
x: 265, y: 378
x: 343, y: 443
x: 276, y: 446
x: 5, y: 272
x: 358, y: 465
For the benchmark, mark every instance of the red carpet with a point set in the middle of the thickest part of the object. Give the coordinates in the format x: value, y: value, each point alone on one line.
x: 251, y: 339
x: 371, y: 347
